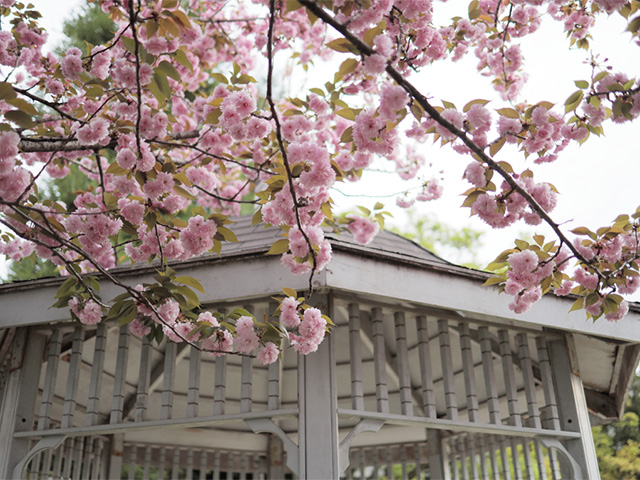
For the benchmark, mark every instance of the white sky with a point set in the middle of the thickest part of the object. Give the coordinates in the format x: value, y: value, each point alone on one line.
x: 597, y: 181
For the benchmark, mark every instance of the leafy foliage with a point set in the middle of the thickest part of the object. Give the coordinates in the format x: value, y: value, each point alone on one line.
x: 618, y: 444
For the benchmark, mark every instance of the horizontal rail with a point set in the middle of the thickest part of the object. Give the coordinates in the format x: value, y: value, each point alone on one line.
x: 457, y: 425
x: 151, y: 424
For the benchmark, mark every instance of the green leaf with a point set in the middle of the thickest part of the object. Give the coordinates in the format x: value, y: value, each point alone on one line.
x: 169, y: 3
x: 495, y: 147
x: 347, y: 113
x: 509, y: 113
x: 182, y: 59
x: 190, y: 281
x: 292, y: 5
x: 493, y: 281
x: 128, y: 314
x: 190, y: 295
x: 582, y: 84
x: 279, y: 247
x: 347, y: 135
x: 20, y: 118
x: 228, y: 235
x: 478, y: 101
x: 169, y: 70
x: 577, y: 305
x: 289, y: 292
x: 6, y: 91
x: 573, y: 101
x: 340, y: 45
x: 581, y: 231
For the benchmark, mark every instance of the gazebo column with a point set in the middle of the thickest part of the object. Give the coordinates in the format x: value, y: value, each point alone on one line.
x: 572, y: 406
x: 318, y: 421
x: 21, y: 391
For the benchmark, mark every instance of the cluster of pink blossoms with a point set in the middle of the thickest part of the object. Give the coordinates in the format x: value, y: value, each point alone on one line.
x: 523, y: 279
x: 508, y: 206
x: 311, y: 332
x: 88, y: 312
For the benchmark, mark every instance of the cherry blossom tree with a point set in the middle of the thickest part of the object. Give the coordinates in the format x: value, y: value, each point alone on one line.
x: 175, y: 134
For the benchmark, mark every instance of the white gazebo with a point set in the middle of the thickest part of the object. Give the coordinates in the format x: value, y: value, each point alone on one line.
x: 426, y: 375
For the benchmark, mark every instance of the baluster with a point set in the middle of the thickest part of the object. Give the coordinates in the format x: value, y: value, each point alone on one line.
x: 418, y: 460
x: 72, y: 380
x: 48, y: 391
x: 203, y: 465
x: 550, y: 419
x: 473, y: 460
x: 495, y: 470
x: 46, y: 461
x: 216, y: 466
x: 162, y: 462
x: 147, y: 462
x: 168, y: 379
x: 376, y: 465
x: 246, y: 377
x: 426, y: 375
x: 95, y: 385
x: 403, y: 458
x: 355, y: 353
x: 454, y: 459
x: 379, y: 359
x: 389, y: 463
x: 515, y: 418
x: 57, y: 464
x: 193, y: 395
x: 532, y: 400
x: 482, y: 453
x: 34, y: 467
x: 246, y: 390
x: 175, y: 464
x: 144, y: 381
x: 78, y: 448
x: 447, y: 369
x: 464, y: 453
x: 528, y: 464
x: 119, y: 386
x: 87, y: 458
x: 492, y: 393
x: 469, y: 372
x: 97, y: 459
x: 190, y: 463
x: 404, y: 380
x: 133, y: 460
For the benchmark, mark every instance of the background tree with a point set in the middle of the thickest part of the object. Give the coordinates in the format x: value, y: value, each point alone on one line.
x: 91, y: 26
x: 618, y: 444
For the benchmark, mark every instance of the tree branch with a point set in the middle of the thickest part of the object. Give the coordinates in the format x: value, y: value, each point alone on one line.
x: 365, y: 49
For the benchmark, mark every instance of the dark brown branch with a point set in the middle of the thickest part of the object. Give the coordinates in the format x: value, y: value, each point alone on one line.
x: 283, y: 151
x: 365, y: 49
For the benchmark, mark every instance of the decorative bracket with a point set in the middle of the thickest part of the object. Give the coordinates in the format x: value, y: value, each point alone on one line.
x: 560, y: 448
x: 50, y: 442
x: 364, y: 425
x: 266, y: 425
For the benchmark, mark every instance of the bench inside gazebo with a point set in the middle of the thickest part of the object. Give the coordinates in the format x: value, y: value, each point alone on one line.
x: 426, y: 375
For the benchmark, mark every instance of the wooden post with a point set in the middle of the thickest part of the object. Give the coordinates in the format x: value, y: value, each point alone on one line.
x: 572, y: 405
x: 18, y: 404
x: 318, y: 421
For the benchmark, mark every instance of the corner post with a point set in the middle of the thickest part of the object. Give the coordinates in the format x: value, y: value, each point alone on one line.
x: 318, y: 404
x: 572, y: 405
x: 18, y: 404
